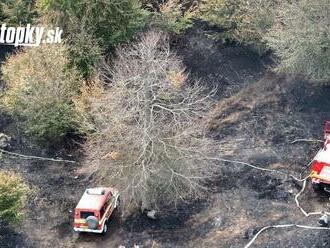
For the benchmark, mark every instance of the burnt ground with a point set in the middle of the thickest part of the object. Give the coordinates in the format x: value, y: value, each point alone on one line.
x: 257, y: 117
x: 229, y: 67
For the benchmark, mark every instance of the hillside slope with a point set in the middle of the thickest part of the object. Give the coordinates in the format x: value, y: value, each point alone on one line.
x: 257, y: 117
x: 258, y: 125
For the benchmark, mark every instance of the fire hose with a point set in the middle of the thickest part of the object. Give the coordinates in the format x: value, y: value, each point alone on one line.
x: 306, y: 214
x: 283, y: 226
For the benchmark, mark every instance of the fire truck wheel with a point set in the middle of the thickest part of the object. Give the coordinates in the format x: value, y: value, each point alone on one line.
x: 318, y: 187
x: 105, y: 227
x: 117, y: 214
x: 118, y: 204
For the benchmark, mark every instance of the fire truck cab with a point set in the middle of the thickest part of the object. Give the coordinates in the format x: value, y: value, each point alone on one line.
x: 95, y: 208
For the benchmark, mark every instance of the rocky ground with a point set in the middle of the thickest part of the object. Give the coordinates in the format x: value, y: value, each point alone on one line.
x: 257, y: 117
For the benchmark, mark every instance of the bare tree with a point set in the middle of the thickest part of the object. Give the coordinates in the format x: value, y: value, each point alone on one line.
x: 151, y: 135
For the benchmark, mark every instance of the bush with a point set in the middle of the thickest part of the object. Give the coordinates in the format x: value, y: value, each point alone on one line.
x: 302, y: 39
x: 13, y: 194
x: 93, y: 26
x: 221, y: 13
x: 175, y: 17
x: 84, y: 52
x: 253, y: 20
x: 150, y: 138
x: 17, y: 12
x: 40, y: 89
x: 241, y: 20
x: 110, y: 22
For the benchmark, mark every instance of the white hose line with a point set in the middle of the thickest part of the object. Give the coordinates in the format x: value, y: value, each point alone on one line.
x: 260, y: 168
x: 304, y: 180
x: 293, y: 225
x: 301, y: 209
x: 284, y: 226
x: 34, y: 157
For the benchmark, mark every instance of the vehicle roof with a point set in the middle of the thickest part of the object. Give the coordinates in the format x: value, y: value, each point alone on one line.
x: 93, y: 201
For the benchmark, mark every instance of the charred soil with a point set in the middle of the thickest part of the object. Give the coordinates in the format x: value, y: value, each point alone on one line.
x: 257, y: 117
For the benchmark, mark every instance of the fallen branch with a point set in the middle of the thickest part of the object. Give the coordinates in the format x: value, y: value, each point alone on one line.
x: 34, y: 157
x: 284, y: 226
x: 307, y: 140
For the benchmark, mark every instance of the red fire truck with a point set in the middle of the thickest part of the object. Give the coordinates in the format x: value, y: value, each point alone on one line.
x: 320, y: 169
x: 95, y: 208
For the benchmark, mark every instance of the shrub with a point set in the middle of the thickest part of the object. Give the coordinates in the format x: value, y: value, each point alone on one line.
x: 150, y: 137
x: 17, y: 12
x: 302, y: 39
x: 84, y: 52
x: 13, y: 194
x: 253, y: 20
x: 220, y: 12
x: 175, y: 17
x: 110, y: 22
x: 40, y: 88
x: 92, y: 26
x: 241, y: 20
